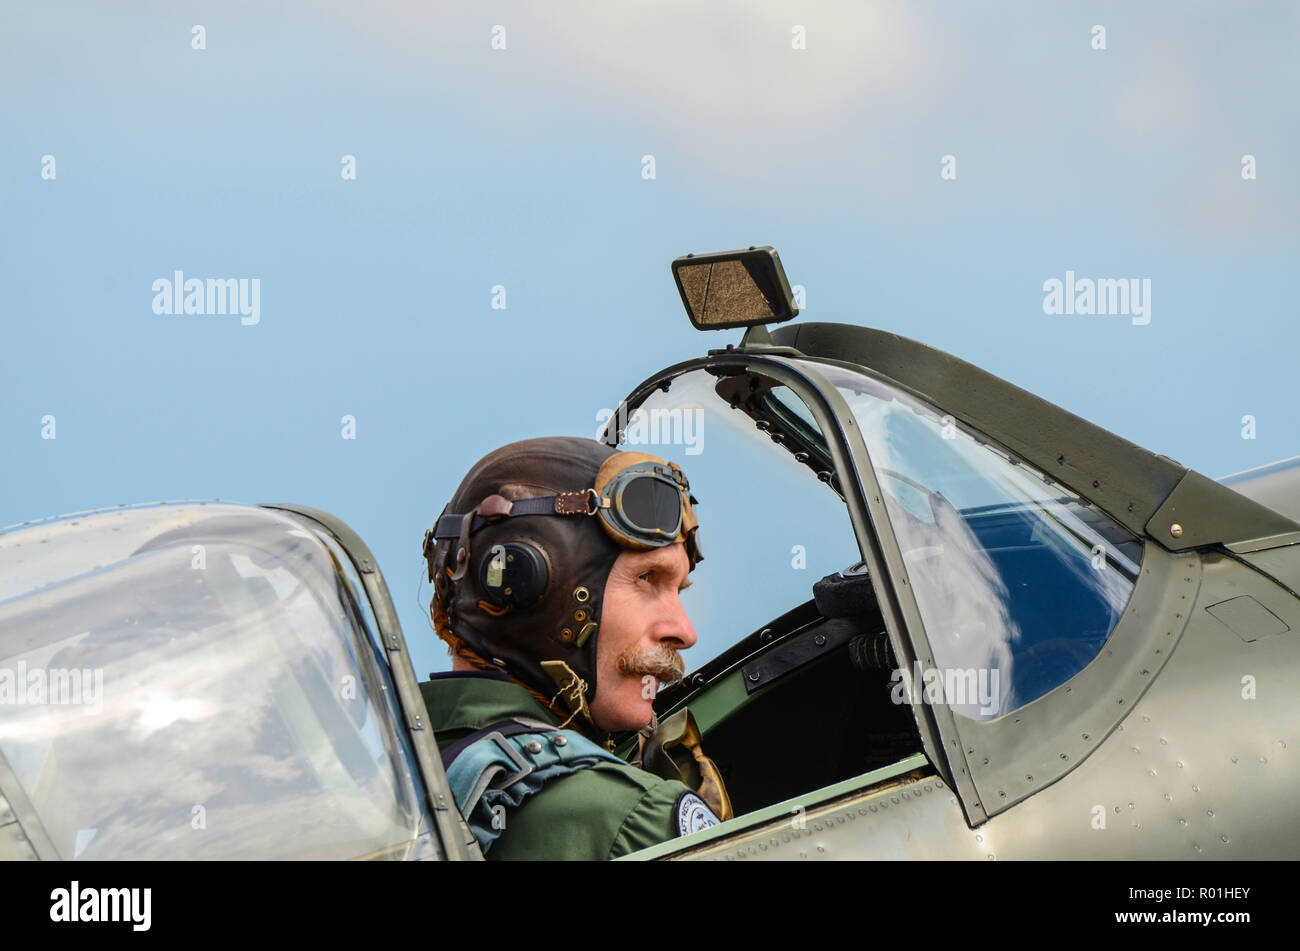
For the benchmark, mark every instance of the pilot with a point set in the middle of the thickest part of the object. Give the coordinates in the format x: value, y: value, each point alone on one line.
x: 557, y: 569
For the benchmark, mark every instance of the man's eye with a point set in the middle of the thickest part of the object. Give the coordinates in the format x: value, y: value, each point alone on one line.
x: 645, y: 576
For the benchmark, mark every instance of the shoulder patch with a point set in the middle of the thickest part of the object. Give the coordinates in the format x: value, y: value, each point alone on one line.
x: 694, y: 814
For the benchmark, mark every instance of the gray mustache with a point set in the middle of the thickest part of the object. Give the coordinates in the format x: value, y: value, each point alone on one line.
x: 660, y: 661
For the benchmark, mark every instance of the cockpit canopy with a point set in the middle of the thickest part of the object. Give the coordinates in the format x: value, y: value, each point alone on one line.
x: 198, y: 680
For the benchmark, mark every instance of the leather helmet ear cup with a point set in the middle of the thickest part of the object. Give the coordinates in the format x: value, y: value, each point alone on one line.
x: 575, y: 550
x: 513, y: 573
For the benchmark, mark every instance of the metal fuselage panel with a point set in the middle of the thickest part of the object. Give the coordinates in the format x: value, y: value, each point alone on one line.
x: 1276, y: 485
x: 1204, y: 766
x: 1282, y: 564
x: 918, y: 820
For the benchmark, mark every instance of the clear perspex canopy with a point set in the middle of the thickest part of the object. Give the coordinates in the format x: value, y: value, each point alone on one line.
x: 199, y: 681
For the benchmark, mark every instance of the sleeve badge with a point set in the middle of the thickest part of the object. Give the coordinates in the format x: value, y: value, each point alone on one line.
x: 694, y: 814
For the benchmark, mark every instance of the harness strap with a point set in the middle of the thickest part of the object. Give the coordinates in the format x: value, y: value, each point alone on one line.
x: 507, y: 728
x: 497, y: 768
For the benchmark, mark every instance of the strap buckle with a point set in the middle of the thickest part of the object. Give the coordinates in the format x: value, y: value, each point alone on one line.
x: 522, y: 765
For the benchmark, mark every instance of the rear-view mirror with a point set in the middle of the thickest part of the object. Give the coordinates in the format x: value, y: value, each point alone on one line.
x: 734, y: 288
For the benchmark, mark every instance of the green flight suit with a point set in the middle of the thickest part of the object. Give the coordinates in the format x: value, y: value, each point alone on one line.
x: 600, y: 812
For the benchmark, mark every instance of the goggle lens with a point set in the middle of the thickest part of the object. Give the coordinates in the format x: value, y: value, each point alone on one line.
x: 652, y: 505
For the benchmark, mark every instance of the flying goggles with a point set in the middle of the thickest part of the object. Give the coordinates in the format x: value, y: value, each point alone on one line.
x: 641, y: 501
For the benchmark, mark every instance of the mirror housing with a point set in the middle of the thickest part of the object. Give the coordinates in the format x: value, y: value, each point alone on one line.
x: 734, y: 288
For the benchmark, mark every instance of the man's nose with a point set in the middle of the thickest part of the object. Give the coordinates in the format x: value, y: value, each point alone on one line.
x: 678, y: 626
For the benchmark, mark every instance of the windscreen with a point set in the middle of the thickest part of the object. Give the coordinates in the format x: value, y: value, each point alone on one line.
x: 1019, y: 582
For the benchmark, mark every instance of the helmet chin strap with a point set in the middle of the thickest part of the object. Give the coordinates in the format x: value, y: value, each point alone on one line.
x: 573, y: 689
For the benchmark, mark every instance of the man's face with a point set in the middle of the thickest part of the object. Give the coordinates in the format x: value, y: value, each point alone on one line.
x: 643, y: 626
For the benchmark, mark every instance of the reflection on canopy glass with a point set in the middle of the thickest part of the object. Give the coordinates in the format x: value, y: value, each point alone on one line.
x: 239, y: 714
x: 1019, y: 582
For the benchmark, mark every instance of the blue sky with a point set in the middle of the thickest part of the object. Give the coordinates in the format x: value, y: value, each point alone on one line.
x: 522, y: 167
